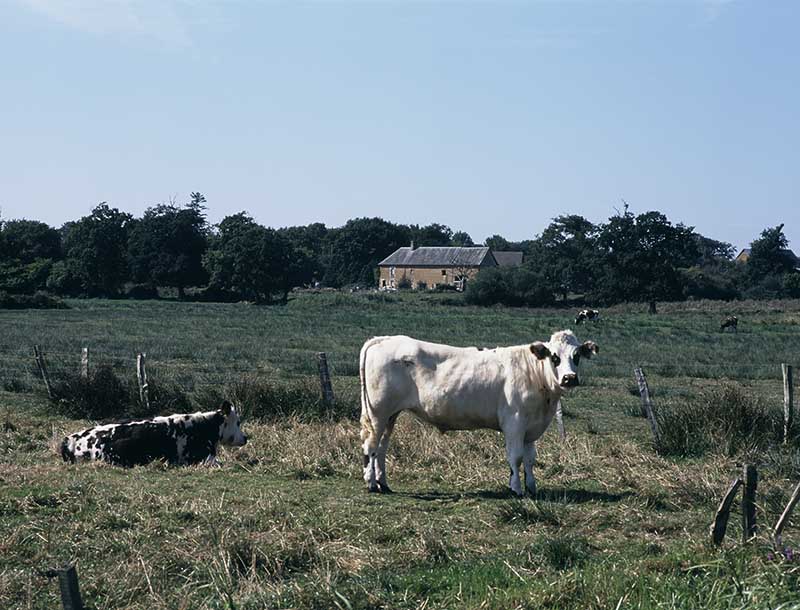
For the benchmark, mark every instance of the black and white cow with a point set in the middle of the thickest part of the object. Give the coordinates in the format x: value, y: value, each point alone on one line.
x: 587, y: 314
x: 730, y: 322
x: 178, y: 439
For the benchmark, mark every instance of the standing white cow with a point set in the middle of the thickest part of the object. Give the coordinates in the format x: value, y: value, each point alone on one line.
x: 511, y: 389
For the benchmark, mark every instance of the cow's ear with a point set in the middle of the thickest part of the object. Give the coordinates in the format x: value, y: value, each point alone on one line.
x: 540, y: 350
x: 226, y: 408
x: 588, y: 348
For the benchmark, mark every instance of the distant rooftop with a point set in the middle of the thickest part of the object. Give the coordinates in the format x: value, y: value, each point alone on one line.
x: 436, y: 256
x: 507, y: 259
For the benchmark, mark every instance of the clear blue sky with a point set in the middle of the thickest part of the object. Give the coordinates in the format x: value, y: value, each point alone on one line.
x: 491, y: 117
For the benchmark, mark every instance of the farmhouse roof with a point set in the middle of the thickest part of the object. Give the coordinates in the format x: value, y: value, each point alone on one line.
x: 745, y: 254
x: 437, y: 256
x: 508, y: 259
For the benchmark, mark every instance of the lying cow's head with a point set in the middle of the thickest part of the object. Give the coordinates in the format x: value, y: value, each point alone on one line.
x: 229, y: 432
x: 564, y: 353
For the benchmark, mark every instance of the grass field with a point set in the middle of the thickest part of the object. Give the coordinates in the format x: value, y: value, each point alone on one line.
x: 286, y: 522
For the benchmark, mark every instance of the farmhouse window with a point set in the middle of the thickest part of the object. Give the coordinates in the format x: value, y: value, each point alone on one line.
x: 444, y: 272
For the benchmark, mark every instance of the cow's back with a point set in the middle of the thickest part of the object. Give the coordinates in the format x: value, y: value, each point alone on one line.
x: 449, y: 387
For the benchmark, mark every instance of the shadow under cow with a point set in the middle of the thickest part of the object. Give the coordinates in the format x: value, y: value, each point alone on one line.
x: 559, y: 495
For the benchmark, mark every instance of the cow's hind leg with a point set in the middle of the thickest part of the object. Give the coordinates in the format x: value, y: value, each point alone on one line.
x: 529, y: 458
x: 514, y: 453
x: 371, y: 443
x: 383, y: 445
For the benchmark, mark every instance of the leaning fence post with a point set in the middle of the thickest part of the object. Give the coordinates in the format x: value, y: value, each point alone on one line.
x: 141, y: 376
x: 750, y: 478
x: 42, y: 366
x: 85, y: 363
x: 788, y: 399
x: 647, y: 404
x: 720, y: 523
x: 787, y: 512
x: 325, y: 379
x: 68, y: 584
x: 560, y: 421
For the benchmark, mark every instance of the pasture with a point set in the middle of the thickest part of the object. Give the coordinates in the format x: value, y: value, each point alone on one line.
x: 286, y: 521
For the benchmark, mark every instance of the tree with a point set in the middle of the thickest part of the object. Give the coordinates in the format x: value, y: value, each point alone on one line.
x: 566, y: 252
x: 249, y: 260
x: 95, y: 247
x: 641, y: 257
x: 28, y: 249
x: 498, y: 242
x: 769, y: 256
x: 712, y: 252
x: 29, y: 240
x: 431, y: 235
x: 352, y: 252
x: 306, y: 246
x: 167, y: 244
x: 461, y: 238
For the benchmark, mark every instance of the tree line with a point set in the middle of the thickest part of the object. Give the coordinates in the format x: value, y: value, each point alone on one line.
x: 644, y: 257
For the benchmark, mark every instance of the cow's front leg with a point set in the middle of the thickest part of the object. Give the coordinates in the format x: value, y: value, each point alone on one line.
x: 529, y: 458
x: 514, y: 453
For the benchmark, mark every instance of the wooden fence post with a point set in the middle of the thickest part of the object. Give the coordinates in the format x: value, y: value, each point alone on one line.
x: 787, y: 512
x: 325, y: 379
x: 141, y: 376
x: 68, y: 584
x: 85, y: 363
x: 42, y: 366
x: 788, y: 400
x: 750, y: 478
x: 723, y: 512
x: 560, y: 421
x: 647, y: 404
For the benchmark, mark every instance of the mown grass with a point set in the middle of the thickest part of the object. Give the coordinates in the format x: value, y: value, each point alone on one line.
x: 286, y: 523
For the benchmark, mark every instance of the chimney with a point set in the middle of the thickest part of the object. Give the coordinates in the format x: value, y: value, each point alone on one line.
x: 412, y: 244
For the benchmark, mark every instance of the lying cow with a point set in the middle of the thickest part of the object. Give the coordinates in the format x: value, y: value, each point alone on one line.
x: 179, y: 439
x: 511, y: 389
x: 587, y: 314
x: 730, y: 322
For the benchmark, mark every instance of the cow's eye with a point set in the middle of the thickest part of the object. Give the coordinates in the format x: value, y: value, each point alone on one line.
x: 556, y: 360
x: 576, y: 359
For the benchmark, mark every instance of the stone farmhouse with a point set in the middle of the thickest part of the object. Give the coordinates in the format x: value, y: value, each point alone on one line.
x: 432, y: 266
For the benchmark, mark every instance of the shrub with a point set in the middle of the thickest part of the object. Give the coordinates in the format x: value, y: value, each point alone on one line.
x: 38, y: 300
x: 722, y: 420
x: 101, y: 395
x: 141, y: 292
x: 264, y: 399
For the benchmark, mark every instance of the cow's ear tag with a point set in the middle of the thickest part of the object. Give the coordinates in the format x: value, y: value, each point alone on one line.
x: 540, y: 350
x: 225, y: 409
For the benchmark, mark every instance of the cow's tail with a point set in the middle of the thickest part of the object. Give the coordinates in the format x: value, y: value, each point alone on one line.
x: 366, y: 420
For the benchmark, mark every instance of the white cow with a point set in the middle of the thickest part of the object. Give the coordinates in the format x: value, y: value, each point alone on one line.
x: 512, y: 389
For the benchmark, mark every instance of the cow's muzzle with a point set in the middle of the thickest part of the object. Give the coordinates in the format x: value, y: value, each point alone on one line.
x: 569, y: 381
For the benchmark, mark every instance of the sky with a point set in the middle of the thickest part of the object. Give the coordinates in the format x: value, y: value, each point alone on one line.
x: 490, y: 116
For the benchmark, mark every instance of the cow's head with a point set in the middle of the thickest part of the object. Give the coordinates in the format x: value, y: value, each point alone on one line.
x: 229, y: 432
x: 564, y: 353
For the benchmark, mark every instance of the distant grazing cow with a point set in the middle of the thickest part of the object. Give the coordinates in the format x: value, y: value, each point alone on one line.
x: 511, y: 389
x: 179, y: 439
x: 730, y: 322
x: 587, y: 314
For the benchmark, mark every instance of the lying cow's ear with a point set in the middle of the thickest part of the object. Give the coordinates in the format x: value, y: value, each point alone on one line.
x: 540, y: 350
x: 588, y: 348
x: 225, y: 409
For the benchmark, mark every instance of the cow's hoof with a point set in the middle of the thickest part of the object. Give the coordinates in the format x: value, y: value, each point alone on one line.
x: 384, y: 488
